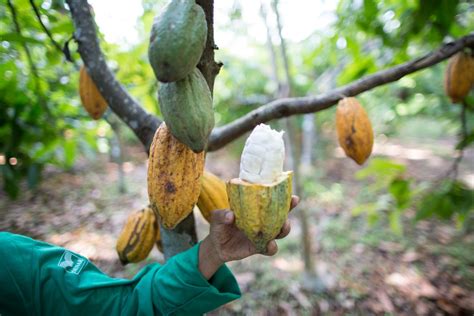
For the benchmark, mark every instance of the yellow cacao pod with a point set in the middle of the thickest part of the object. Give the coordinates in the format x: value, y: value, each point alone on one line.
x: 354, y: 130
x: 174, y: 177
x: 213, y: 195
x: 91, y: 98
x: 260, y: 198
x: 459, y: 76
x: 138, y: 236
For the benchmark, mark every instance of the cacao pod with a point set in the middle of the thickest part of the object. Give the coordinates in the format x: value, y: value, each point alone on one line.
x: 186, y: 106
x: 174, y: 177
x: 177, y: 40
x: 91, y: 98
x: 459, y: 76
x: 261, y: 197
x: 138, y: 236
x: 213, y: 195
x: 354, y: 130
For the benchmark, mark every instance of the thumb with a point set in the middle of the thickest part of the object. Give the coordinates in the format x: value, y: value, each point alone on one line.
x: 222, y: 216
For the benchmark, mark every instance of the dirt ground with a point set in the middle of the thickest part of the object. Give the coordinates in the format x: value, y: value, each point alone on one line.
x: 357, y: 269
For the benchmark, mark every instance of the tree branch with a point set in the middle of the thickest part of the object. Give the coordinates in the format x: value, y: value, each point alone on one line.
x: 207, y: 65
x: 142, y: 123
x: 45, y: 29
x: 292, y: 106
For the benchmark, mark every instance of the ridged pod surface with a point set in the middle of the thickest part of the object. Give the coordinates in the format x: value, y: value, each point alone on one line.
x: 260, y: 209
x: 174, y: 177
x: 354, y: 130
x: 213, y: 195
x: 138, y: 236
x: 178, y: 38
x: 260, y: 198
x: 459, y: 76
x: 91, y: 98
x: 186, y: 106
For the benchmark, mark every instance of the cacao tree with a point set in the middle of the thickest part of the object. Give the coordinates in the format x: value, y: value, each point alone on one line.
x: 360, y: 77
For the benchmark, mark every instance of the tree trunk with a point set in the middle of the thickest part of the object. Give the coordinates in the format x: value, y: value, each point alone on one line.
x: 116, y: 151
x: 296, y: 154
x: 183, y: 236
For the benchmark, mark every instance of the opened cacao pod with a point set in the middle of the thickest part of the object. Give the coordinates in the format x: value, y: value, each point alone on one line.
x: 174, y: 177
x: 354, y: 130
x: 260, y: 198
x: 213, y: 195
x: 459, y: 76
x: 138, y: 236
x: 91, y: 98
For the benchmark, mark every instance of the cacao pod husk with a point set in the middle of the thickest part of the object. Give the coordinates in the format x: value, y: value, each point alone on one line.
x: 459, y: 76
x: 138, y: 236
x: 354, y: 130
x: 186, y: 106
x: 177, y: 40
x: 213, y: 195
x: 174, y: 177
x: 260, y: 209
x: 91, y: 98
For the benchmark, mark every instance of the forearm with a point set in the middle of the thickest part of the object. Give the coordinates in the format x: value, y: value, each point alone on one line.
x: 209, y: 261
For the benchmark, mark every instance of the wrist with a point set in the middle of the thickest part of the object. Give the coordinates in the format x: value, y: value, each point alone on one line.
x: 209, y: 260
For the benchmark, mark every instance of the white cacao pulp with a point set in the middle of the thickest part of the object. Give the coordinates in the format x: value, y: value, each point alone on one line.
x: 263, y: 156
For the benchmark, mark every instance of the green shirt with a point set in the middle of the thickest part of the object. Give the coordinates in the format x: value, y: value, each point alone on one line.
x: 37, y: 278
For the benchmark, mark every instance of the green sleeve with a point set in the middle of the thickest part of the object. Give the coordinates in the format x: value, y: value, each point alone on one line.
x: 41, y: 279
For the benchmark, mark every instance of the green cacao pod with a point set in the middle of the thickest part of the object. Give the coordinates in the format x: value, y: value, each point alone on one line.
x: 260, y: 198
x: 178, y: 38
x: 354, y: 130
x: 459, y: 76
x: 186, y: 106
x: 138, y: 236
x: 174, y: 177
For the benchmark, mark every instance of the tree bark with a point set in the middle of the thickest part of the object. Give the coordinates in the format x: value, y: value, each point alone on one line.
x: 301, y: 212
x: 184, y: 235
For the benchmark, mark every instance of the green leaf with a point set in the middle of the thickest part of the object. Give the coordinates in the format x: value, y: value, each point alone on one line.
x: 461, y: 197
x: 364, y: 208
x: 379, y: 167
x: 43, y: 152
x: 466, y: 141
x: 438, y: 204
x: 400, y: 190
x: 395, y: 222
x: 372, y: 218
x: 69, y: 153
x: 15, y: 37
x: 10, y: 181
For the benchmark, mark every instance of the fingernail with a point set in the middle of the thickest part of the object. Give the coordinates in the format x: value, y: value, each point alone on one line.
x: 228, y: 217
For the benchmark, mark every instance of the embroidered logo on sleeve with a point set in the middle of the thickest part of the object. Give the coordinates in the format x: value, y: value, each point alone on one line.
x: 72, y: 263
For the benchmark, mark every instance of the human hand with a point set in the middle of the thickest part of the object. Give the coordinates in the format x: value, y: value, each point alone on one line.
x: 226, y: 242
